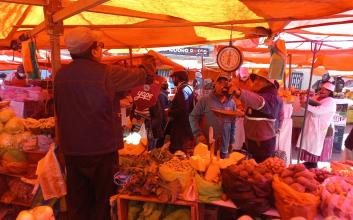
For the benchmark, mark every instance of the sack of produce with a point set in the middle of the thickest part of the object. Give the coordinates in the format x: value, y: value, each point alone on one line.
x: 176, y: 169
x: 300, y: 179
x: 208, y: 191
x: 337, y: 197
x: 249, y: 189
x: 291, y: 203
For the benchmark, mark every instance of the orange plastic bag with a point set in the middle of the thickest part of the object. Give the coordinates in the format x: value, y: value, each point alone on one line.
x: 291, y: 203
x: 50, y: 176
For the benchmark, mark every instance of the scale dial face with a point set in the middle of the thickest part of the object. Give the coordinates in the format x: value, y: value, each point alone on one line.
x: 229, y: 58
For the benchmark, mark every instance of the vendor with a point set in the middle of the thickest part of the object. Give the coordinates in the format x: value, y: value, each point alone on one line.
x: 223, y: 126
x: 316, y: 127
x: 262, y: 106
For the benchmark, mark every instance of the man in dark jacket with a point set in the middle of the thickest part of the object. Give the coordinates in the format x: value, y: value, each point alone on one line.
x: 181, y: 137
x: 262, y: 109
x: 89, y: 123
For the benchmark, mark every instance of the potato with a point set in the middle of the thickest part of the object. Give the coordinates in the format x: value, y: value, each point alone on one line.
x: 306, y: 173
x: 307, y: 183
x: 298, y: 187
x: 289, y: 180
x: 287, y: 173
x: 244, y: 174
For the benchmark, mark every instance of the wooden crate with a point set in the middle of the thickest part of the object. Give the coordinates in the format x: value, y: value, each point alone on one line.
x: 122, y: 203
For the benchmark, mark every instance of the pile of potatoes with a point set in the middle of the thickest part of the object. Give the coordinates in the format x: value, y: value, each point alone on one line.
x: 248, y: 184
x: 300, y: 179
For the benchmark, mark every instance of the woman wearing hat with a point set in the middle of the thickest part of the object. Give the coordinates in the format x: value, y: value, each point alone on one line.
x: 317, y: 124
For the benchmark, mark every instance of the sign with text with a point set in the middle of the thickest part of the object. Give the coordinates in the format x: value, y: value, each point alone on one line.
x: 187, y: 51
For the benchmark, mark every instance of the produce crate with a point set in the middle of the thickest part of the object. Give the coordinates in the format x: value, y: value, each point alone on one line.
x: 124, y: 199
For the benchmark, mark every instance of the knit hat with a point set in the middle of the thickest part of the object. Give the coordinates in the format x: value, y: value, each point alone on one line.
x: 79, y: 39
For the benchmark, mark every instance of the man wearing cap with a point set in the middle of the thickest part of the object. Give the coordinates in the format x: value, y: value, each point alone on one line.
x: 86, y: 94
x: 223, y: 126
x: 262, y: 109
x: 318, y: 121
x: 181, y: 137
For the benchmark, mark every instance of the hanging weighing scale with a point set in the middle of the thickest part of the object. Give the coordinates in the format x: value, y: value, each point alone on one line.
x: 229, y: 58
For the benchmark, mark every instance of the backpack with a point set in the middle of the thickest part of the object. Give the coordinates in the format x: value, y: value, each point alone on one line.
x: 194, y: 97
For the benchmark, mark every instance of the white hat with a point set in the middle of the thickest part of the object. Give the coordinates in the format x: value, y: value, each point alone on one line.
x: 79, y: 39
x: 329, y: 86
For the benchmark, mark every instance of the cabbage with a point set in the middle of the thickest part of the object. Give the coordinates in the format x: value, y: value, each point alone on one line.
x: 14, y: 126
x: 6, y: 140
x: 13, y: 155
x: 6, y: 114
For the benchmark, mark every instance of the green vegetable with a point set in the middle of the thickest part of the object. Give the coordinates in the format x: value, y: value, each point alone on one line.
x: 183, y: 213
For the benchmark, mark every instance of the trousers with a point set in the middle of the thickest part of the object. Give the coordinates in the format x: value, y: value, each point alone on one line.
x: 90, y: 185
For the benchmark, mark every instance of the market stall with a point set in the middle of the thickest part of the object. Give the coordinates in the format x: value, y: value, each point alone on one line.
x: 149, y: 181
x: 161, y: 23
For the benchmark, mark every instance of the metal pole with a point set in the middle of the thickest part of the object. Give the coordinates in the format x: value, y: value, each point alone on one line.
x: 130, y: 53
x: 315, y: 50
x: 203, y: 78
x: 289, y: 72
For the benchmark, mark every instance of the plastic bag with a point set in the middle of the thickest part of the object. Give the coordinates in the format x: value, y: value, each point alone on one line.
x: 208, y: 191
x: 337, y: 197
x: 50, y: 177
x: 291, y: 203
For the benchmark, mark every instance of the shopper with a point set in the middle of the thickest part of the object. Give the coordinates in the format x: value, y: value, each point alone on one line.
x: 88, y: 121
x: 165, y: 104
x: 223, y: 126
x: 152, y: 118
x: 181, y: 137
x: 349, y: 146
x: 318, y: 120
x: 262, y: 109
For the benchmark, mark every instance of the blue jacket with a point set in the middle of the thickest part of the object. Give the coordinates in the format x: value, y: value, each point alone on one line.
x: 223, y: 127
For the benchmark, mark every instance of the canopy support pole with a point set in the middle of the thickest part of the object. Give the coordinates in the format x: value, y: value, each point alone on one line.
x: 315, y: 48
x: 130, y: 54
x: 203, y: 78
x: 54, y: 30
x: 289, y: 72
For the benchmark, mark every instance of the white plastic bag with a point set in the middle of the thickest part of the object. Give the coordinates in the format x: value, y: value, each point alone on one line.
x: 50, y: 177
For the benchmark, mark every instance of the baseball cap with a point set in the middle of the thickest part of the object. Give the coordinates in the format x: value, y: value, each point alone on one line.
x: 329, y: 86
x: 223, y: 76
x: 78, y: 40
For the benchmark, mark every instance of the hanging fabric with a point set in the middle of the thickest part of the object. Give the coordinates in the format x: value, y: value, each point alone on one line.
x: 278, y: 59
x: 30, y: 59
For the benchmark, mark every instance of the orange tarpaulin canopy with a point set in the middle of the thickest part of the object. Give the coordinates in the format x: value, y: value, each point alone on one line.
x: 145, y: 23
x: 158, y: 23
